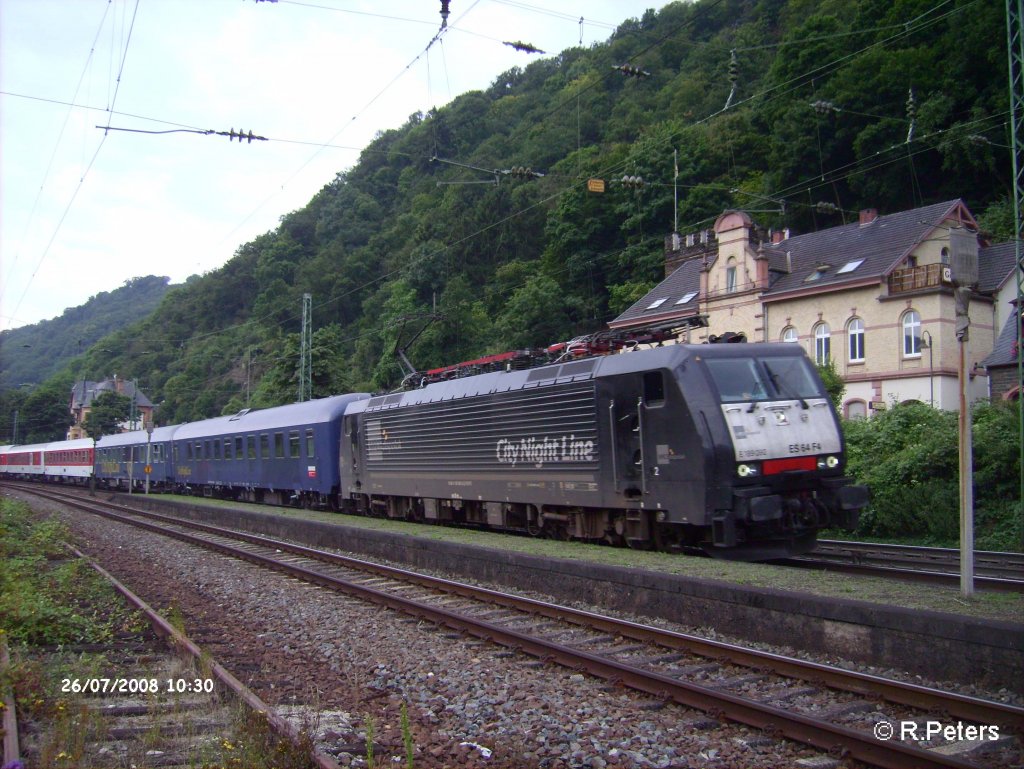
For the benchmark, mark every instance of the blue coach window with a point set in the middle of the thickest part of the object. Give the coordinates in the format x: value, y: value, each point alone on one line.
x: 310, y: 452
x: 239, y: 452
x: 279, y: 445
x: 250, y: 442
x: 294, y: 444
x: 265, y: 446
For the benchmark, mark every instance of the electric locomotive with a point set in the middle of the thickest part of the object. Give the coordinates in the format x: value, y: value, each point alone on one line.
x: 735, y: 449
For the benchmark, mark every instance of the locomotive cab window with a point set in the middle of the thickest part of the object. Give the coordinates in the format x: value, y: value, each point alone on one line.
x: 791, y: 377
x: 737, y: 379
x: 654, y: 388
x: 749, y: 379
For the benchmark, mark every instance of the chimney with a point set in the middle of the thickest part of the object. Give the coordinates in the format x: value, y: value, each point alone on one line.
x: 868, y: 215
x: 777, y: 237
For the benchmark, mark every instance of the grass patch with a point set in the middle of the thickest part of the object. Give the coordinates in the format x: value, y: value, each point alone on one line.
x: 47, y: 599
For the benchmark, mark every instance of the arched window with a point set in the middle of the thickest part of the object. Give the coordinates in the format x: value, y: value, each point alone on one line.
x: 856, y: 409
x: 730, y: 275
x: 789, y: 334
x: 911, y: 334
x: 822, y: 343
x: 855, y: 340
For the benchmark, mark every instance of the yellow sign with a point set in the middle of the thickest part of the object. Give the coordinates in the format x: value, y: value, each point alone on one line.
x: 595, y: 185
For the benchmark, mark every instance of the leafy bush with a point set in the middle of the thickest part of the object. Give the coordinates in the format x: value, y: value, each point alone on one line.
x: 908, y: 457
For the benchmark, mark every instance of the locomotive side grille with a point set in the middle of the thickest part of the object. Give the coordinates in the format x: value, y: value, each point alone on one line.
x: 550, y: 427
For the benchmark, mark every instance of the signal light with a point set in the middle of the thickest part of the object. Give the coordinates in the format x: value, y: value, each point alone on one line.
x: 632, y: 182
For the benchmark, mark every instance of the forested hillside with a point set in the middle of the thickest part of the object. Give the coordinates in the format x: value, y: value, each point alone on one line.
x: 799, y: 111
x: 31, y: 354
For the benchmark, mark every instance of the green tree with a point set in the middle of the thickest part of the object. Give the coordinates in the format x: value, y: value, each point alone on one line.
x: 108, y: 411
x: 834, y: 384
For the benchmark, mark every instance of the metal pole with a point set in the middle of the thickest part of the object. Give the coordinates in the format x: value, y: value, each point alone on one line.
x: 149, y: 453
x: 966, y: 482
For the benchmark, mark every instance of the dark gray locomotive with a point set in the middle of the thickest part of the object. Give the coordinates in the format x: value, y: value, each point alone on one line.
x: 732, y: 448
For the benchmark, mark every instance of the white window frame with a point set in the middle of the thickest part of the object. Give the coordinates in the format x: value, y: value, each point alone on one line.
x: 822, y: 343
x: 730, y: 276
x: 911, y: 325
x: 855, y: 340
x: 789, y: 335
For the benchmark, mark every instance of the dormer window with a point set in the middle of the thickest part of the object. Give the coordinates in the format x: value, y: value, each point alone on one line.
x: 820, y: 270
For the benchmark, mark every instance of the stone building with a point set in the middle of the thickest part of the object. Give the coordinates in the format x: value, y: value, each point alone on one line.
x: 85, y: 393
x: 874, y: 296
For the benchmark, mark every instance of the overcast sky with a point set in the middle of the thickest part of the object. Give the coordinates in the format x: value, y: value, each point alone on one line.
x: 83, y: 209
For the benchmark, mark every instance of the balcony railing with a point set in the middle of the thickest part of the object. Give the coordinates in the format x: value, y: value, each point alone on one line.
x: 918, y: 278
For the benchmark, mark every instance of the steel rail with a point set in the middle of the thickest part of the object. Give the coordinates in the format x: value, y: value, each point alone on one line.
x: 914, y: 695
x: 932, y: 565
x: 823, y: 735
x: 992, y: 562
x: 185, y: 644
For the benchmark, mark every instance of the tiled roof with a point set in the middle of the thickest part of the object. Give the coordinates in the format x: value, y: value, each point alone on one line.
x: 995, y: 265
x: 83, y: 393
x: 663, y: 301
x: 878, y: 245
x: 846, y: 254
x: 1003, y: 353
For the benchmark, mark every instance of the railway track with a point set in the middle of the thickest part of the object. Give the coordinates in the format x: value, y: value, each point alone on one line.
x: 149, y: 698
x: 878, y: 721
x: 934, y: 565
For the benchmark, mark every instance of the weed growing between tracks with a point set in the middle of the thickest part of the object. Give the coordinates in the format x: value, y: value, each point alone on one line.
x: 64, y: 623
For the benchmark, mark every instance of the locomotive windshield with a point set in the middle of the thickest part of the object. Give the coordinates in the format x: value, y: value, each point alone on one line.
x: 758, y: 379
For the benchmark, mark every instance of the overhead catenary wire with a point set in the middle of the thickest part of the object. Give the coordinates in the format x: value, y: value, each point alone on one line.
x: 520, y: 212
x: 74, y: 196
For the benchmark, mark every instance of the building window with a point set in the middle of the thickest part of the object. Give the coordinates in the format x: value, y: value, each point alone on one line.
x: 789, y: 334
x: 822, y: 344
x: 856, y: 409
x: 855, y: 337
x: 730, y: 275
x: 911, y: 335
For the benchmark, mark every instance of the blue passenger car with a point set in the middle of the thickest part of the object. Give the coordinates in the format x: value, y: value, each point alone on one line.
x: 283, y: 455
x: 122, y: 459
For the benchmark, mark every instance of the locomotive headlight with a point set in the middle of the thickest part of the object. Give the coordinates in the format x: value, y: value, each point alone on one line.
x: 829, y: 462
x: 745, y: 471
